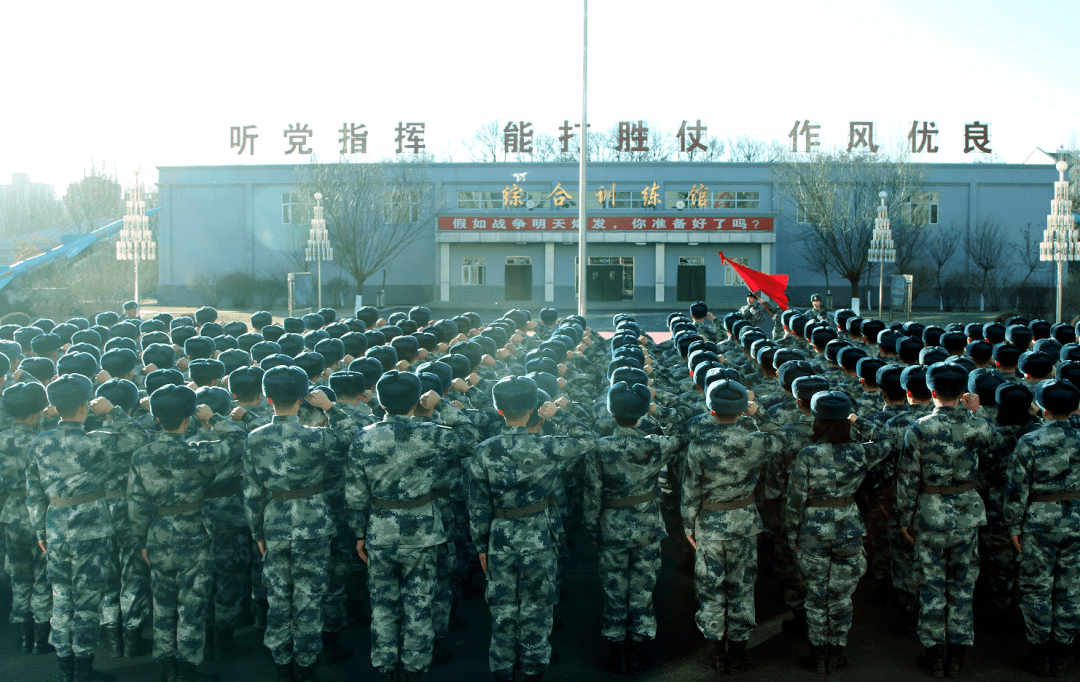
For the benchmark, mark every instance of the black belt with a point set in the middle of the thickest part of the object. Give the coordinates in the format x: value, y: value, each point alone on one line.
x: 179, y: 509
x: 831, y: 502
x: 410, y: 504
x: 78, y: 499
x: 311, y: 490
x: 610, y: 503
x: 728, y: 506
x: 1056, y: 497
x: 949, y: 489
x: 227, y: 491
x: 524, y: 511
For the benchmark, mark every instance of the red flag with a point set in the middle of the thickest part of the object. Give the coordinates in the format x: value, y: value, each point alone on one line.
x: 773, y: 286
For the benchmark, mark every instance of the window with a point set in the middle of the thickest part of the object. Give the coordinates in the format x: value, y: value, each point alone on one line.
x: 519, y: 260
x: 691, y: 260
x: 726, y: 199
x: 803, y: 218
x: 731, y: 278
x: 487, y: 201
x: 921, y: 208
x: 473, y: 270
x: 403, y: 206
x: 734, y: 200
x: 295, y: 208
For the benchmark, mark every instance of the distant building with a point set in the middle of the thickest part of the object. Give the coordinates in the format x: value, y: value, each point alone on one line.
x: 482, y: 252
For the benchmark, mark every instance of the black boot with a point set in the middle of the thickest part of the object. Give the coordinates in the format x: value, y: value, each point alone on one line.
x: 285, y: 672
x: 440, y: 655
x: 304, y: 673
x: 738, y: 661
x: 112, y: 640
x: 954, y: 662
x: 26, y: 637
x: 836, y: 659
x: 41, y: 638
x: 412, y: 675
x: 717, y: 655
x: 504, y: 675
x: 168, y: 669
x: 905, y: 623
x: 933, y: 660
x: 616, y: 661
x: 637, y: 659
x: 1037, y: 662
x: 817, y: 660
x: 67, y: 668
x: 226, y: 648
x: 332, y: 651
x: 135, y: 644
x: 795, y: 627
x: 188, y: 672
x: 84, y: 671
x: 1059, y: 658
x: 210, y: 651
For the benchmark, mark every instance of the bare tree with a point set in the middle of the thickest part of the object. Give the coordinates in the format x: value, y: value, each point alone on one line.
x: 834, y: 197
x: 95, y: 199
x: 746, y: 149
x: 1028, y: 248
x: 373, y: 211
x: 986, y: 246
x: 487, y: 143
x: 29, y: 209
x: 941, y: 245
x: 910, y: 241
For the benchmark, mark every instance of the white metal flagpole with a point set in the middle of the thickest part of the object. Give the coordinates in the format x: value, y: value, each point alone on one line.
x: 582, y: 284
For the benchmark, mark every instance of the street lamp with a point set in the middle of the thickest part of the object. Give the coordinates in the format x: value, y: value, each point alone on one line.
x: 135, y: 242
x: 882, y: 250
x: 1059, y: 242
x: 318, y: 246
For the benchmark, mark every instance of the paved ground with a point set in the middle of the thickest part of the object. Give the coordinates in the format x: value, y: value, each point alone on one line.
x: 874, y: 651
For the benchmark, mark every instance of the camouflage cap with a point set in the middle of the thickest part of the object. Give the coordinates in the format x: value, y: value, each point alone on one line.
x: 22, y: 400
x: 173, y: 403
x: 70, y: 390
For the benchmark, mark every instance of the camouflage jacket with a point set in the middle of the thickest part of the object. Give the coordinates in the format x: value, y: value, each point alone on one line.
x: 69, y: 462
x: 14, y: 453
x: 942, y: 449
x: 171, y: 472
x: 359, y: 413
x: 796, y: 436
x: 1046, y: 461
x: 118, y: 485
x: 785, y: 411
x: 513, y: 470
x: 400, y: 460
x: 223, y: 503
x: 826, y: 471
x: 624, y: 465
x: 722, y: 466
x: 256, y: 416
x: 756, y: 315
x: 284, y: 456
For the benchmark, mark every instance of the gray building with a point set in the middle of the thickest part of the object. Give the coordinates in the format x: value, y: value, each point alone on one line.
x: 506, y: 233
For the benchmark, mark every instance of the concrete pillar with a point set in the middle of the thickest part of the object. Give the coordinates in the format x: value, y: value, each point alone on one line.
x: 660, y: 249
x: 766, y: 258
x: 549, y: 271
x: 444, y: 271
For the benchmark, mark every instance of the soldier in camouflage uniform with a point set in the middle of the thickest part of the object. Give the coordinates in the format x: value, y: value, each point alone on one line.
x: 393, y: 470
x: 940, y: 512
x: 31, y: 593
x: 512, y: 480
x: 755, y: 312
x: 1043, y: 517
x: 622, y: 515
x: 722, y: 522
x: 289, y: 515
x: 167, y: 485
x: 825, y: 528
x: 66, y: 477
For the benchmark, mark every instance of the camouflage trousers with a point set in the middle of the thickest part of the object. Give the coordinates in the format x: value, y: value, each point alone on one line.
x: 294, y: 572
x: 401, y: 582
x: 180, y: 579
x: 946, y: 566
x: 999, y: 560
x: 628, y: 575
x: 878, y: 549
x: 258, y: 588
x: 1050, y: 587
x: 521, y: 596
x: 31, y: 593
x: 229, y: 558
x: 127, y: 587
x: 901, y: 566
x: 77, y: 571
x: 785, y: 564
x: 724, y: 575
x: 832, y: 569
x: 461, y: 546
x: 445, y: 567
x: 338, y: 573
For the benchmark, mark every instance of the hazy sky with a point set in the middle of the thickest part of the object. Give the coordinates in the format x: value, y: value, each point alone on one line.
x: 155, y: 84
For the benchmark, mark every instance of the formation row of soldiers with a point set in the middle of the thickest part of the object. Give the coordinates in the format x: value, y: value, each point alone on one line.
x: 422, y: 446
